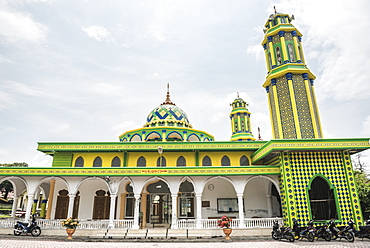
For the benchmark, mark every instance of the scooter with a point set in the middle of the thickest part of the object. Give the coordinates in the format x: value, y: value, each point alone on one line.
x: 345, y: 233
x: 364, y: 231
x: 282, y: 233
x: 304, y: 232
x: 323, y: 232
x: 32, y: 227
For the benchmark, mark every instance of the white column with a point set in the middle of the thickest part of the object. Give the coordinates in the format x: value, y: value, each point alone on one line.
x: 241, y: 210
x: 199, y: 211
x: 71, y: 204
x: 174, y: 212
x: 14, y: 206
x: 269, y: 206
x: 29, y: 207
x: 136, y: 212
x: 113, y: 198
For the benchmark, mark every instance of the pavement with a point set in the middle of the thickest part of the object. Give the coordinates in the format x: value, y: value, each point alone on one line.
x: 24, y: 241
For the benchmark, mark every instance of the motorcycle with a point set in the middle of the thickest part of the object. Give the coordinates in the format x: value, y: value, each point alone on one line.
x: 282, y: 233
x: 345, y: 233
x: 32, y: 227
x: 364, y: 231
x: 304, y: 232
x: 323, y: 232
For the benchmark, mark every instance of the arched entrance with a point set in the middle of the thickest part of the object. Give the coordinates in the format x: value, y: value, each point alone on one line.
x: 159, y: 205
x: 186, y: 201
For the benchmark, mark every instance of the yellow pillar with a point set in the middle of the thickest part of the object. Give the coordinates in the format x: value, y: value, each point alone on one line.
x: 272, y: 52
x: 34, y: 206
x: 277, y: 109
x: 295, y: 42
x: 267, y: 57
x: 283, y: 47
x: 51, y: 197
x: 232, y: 124
x: 302, y: 53
x: 239, y: 123
x: 43, y: 208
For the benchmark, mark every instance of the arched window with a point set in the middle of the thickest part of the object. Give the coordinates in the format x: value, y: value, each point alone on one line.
x: 322, y: 200
x: 206, y: 161
x: 244, y: 161
x: 97, y: 162
x: 291, y: 52
x: 161, y: 162
x: 141, y: 162
x: 225, y: 161
x: 278, y: 55
x: 79, y: 162
x: 116, y: 162
x: 181, y: 162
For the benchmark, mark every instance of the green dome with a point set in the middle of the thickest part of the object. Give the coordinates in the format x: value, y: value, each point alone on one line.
x: 167, y: 114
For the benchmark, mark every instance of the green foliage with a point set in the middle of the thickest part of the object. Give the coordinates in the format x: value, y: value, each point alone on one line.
x: 15, y: 164
x: 363, y: 190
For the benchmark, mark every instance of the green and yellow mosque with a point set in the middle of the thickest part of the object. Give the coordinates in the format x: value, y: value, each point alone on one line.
x: 168, y: 173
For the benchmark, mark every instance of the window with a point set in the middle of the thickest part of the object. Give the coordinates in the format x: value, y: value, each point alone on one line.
x: 141, y: 162
x: 244, y: 161
x: 225, y: 161
x: 116, y: 162
x: 291, y: 52
x: 79, y: 162
x: 322, y: 200
x: 161, y: 162
x: 97, y: 162
x: 206, y: 161
x: 181, y: 162
x: 278, y: 55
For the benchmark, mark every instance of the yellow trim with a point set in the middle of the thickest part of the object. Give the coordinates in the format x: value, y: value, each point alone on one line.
x: 278, y: 116
x: 272, y: 54
x: 294, y: 108
x: 277, y: 72
x: 239, y: 123
x: 283, y: 46
x: 312, y: 113
x: 271, y: 119
x: 303, y: 58
x: 232, y: 125
x: 287, y: 27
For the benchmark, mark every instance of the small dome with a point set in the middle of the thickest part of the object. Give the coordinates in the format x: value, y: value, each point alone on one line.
x: 167, y: 115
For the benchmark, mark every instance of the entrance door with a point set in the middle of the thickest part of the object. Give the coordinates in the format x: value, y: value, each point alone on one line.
x: 160, y: 209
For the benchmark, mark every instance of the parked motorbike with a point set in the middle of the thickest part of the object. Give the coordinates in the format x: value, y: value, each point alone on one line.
x: 304, y: 232
x: 323, y: 232
x: 282, y: 232
x: 31, y: 227
x: 364, y: 231
x: 345, y: 233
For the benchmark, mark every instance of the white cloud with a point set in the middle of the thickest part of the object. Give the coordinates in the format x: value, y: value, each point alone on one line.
x: 256, y: 51
x: 366, y: 126
x: 18, y: 26
x: 62, y: 127
x: 125, y: 126
x: 101, y: 34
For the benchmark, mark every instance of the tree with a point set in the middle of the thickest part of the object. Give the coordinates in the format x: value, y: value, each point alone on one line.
x: 363, y: 183
x: 15, y: 164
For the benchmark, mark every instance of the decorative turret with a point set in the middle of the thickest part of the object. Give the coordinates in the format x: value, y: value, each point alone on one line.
x: 240, y: 121
x: 289, y: 82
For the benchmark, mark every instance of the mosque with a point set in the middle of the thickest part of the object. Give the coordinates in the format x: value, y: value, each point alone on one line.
x: 169, y: 174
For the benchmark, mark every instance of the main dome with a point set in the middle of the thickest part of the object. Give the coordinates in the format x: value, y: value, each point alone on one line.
x: 167, y: 115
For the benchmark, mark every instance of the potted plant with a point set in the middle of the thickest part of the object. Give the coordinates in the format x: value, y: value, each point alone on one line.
x: 224, y: 223
x: 70, y: 224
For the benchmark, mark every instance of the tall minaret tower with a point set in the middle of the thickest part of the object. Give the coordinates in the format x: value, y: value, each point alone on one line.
x: 289, y: 83
x: 240, y: 121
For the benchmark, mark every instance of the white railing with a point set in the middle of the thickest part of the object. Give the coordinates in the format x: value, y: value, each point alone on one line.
x: 121, y: 224
x: 261, y: 222
x: 186, y: 224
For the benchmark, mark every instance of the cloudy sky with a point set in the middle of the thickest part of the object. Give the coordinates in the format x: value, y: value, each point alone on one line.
x: 91, y: 70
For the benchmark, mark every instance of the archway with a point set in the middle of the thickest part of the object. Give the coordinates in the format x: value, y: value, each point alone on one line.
x: 159, y: 204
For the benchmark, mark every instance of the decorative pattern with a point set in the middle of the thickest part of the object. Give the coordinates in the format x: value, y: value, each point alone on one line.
x: 303, y: 110
x: 273, y: 114
x: 288, y: 36
x: 286, y: 110
x: 168, y: 171
x: 316, y: 111
x: 299, y: 168
x: 167, y: 113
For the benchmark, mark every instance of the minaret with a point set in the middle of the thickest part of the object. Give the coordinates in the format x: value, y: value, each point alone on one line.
x: 240, y: 121
x: 289, y: 83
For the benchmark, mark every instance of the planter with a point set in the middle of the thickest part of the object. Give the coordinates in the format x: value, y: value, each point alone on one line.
x: 70, y: 232
x: 227, y: 232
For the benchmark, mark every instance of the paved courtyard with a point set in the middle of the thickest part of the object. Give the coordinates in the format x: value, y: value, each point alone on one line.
x: 49, y: 243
